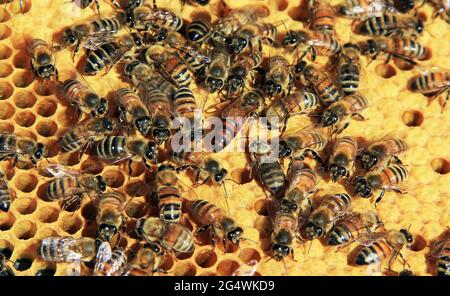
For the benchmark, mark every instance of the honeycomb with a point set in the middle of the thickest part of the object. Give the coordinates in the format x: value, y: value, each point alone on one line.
x: 31, y: 108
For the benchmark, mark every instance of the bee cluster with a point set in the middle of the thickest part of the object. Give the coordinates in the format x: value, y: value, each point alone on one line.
x: 165, y: 63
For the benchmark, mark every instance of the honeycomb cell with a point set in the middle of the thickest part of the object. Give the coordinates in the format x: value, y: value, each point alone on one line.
x: 114, y: 178
x: 300, y: 12
x: 89, y: 211
x: 6, y: 90
x: 184, y: 269
x: 24, y: 99
x: 6, y: 248
x: 25, y: 118
x: 136, y: 188
x: 241, y: 175
x: 5, y: 31
x: 137, y: 168
x: 21, y: 60
x: 23, y: 263
x: 260, y: 207
x: 20, y: 6
x: 440, y: 165
x: 47, y: 214
x: 248, y: 255
x: 385, y: 70
x: 46, y: 128
x: 6, y: 127
x: 22, y: 79
x: 42, y: 89
x: 5, y: 52
x: 25, y: 229
x: 6, y: 110
x: 25, y: 205
x: 46, y: 108
x: 412, y: 118
x: 45, y: 269
x: 70, y: 223
x: 68, y: 159
x: 45, y: 232
x: 5, y: 70
x: 25, y: 182
x: 136, y: 208
x: 206, y: 258
x: 167, y: 262
x: 208, y: 273
x: 227, y: 267
x: 92, y: 166
x: 4, y: 16
x: 6, y: 220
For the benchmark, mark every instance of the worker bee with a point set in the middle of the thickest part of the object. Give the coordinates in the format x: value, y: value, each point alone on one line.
x: 285, y: 228
x: 147, y: 258
x: 302, y: 183
x: 216, y: 72
x: 440, y: 250
x: 322, y: 16
x: 349, y: 69
x: 387, y: 178
x: 185, y: 107
x: 42, y: 59
x: 67, y: 249
x: 210, y: 216
x: 198, y: 31
x: 145, y: 18
x: 405, y: 48
x: 118, y: 148
x: 348, y: 106
x: 252, y: 100
x: 433, y: 82
x: 322, y: 83
x: 322, y: 219
x: 442, y: 8
x: 171, y: 236
x: 110, y: 262
x: 20, y: 148
x: 132, y: 110
x: 251, y: 36
x: 284, y: 108
x: 84, y: 98
x: 168, y: 194
x: 109, y: 214
x: 357, y: 9
x: 379, y: 246
x: 69, y: 186
x: 352, y: 226
x: 298, y: 146
x: 388, y: 24
x: 279, y: 78
x: 81, y: 135
x: 241, y: 70
x: 5, y: 194
x: 342, y: 158
x: 313, y: 42
x: 377, y: 153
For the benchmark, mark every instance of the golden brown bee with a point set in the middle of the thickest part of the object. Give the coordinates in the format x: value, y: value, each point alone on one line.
x: 132, y: 110
x: 171, y: 236
x: 110, y: 262
x: 442, y: 8
x: 5, y: 270
x: 20, y: 149
x: 279, y: 78
x: 433, y: 82
x: 377, y: 153
x: 349, y: 69
x: 388, y: 24
x: 159, y: 108
x: 322, y: 219
x: 70, y: 186
x: 198, y: 31
x: 302, y: 182
x: 322, y: 83
x: 352, y: 226
x: 168, y: 194
x: 82, y: 135
x: 284, y: 232
x: 185, y: 107
x: 84, y: 98
x: 251, y: 36
x: 145, y: 18
x: 146, y: 261
x: 109, y: 214
x: 387, y: 178
x: 210, y: 216
x: 5, y: 194
x: 342, y: 158
x: 242, y: 70
x: 252, y: 100
x: 322, y: 16
x: 441, y: 251
x: 42, y: 59
x: 67, y: 249
x: 357, y: 9
x: 216, y: 72
x: 298, y: 146
x: 378, y: 246
x: 348, y: 106
x: 313, y: 42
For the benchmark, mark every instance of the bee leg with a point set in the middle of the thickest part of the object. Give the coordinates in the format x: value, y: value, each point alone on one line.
x: 340, y: 130
x: 130, y: 169
x: 358, y: 117
x: 313, y: 53
x: 379, y: 197
x: 388, y: 58
x: 76, y: 49
x: 315, y: 155
x: 446, y: 100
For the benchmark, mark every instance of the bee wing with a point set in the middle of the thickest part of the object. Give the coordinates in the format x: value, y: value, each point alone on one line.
x: 104, y: 253
x: 60, y: 171
x: 248, y: 269
x: 426, y: 70
x: 97, y: 39
x: 438, y: 249
x: 367, y: 239
x: 6, y: 147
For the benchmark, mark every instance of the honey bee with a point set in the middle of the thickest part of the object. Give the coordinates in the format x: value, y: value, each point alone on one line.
x: 251, y: 100
x: 198, y: 31
x: 110, y: 262
x: 352, y: 226
x: 442, y: 8
x: 342, y: 158
x: 405, y: 48
x: 20, y: 148
x: 377, y: 153
x: 241, y: 70
x: 300, y: 145
x: 302, y: 182
x: 5, y: 270
x: 285, y: 227
x: 217, y: 71
x: 379, y: 246
x: 210, y: 216
x: 69, y: 186
x: 321, y: 82
x: 148, y: 257
x: 348, y: 106
x: 388, y: 24
x: 322, y: 16
x: 109, y: 215
x: 118, y: 148
x: 279, y: 78
x: 185, y: 106
x: 357, y: 9
x: 433, y: 82
x: 251, y: 36
x: 42, y: 59
x: 84, y: 98
x: 387, y: 178
x: 67, y: 249
x: 82, y: 134
x: 168, y: 194
x: 132, y: 111
x: 171, y: 236
x: 5, y: 194
x: 322, y: 219
x: 314, y: 42
x: 349, y: 69
x: 440, y: 250
x: 145, y: 18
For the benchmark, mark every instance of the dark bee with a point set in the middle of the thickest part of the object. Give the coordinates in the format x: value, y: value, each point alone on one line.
x: 242, y: 70
x: 433, y: 82
x: 298, y: 146
x: 285, y: 226
x: 147, y: 258
x: 388, y: 24
x: 251, y: 36
x: 322, y: 16
x: 313, y: 42
x: 349, y: 69
x: 20, y: 149
x: 279, y: 78
x: 342, y: 158
x: 217, y: 71
x: 84, y: 98
x: 198, y: 31
x: 109, y: 215
x: 377, y: 153
x: 132, y: 110
x: 168, y: 194
x: 441, y: 251
x: 144, y: 18
x: 42, y: 59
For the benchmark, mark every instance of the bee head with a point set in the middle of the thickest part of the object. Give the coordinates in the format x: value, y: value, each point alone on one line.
x: 300, y: 66
x: 106, y: 232
x: 362, y: 187
x: 280, y: 251
x: 236, y: 44
x: 46, y: 71
x: 404, y: 5
x: 161, y: 134
x: 235, y: 235
x: 214, y: 84
x: 100, y: 183
x: 152, y: 246
x: 408, y: 237
x: 218, y: 177
x: 288, y: 205
x: 160, y: 36
x: 419, y: 26
x: 102, y: 106
x: 342, y: 10
x: 285, y: 150
x: 193, y: 35
x: 108, y: 125
x: 290, y: 39
x: 368, y: 160
x: 129, y: 69
x: 151, y: 150
x: 69, y: 37
x: 369, y: 47
x: 272, y: 88
x: 38, y: 153
x: 143, y: 124
x: 337, y: 172
x: 312, y: 231
x: 328, y: 118
x: 235, y: 82
x: 129, y: 17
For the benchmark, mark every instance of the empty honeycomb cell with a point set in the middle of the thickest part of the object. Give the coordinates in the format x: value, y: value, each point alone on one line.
x: 42, y: 89
x: 440, y: 165
x: 280, y: 5
x: 137, y: 208
x: 23, y: 78
x: 184, y: 269
x: 5, y: 31
x: 25, y: 118
x: 241, y: 175
x: 206, y: 258
x: 6, y: 127
x: 412, y: 118
x: 25, y: 205
x: 419, y: 244
x: 24, y: 99
x: 46, y: 108
x: 6, y: 90
x: 385, y: 70
x: 46, y: 128
x: 136, y: 188
x: 167, y: 262
x: 25, y: 182
x: 45, y: 232
x: 6, y: 220
x: 114, y: 178
x: 5, y: 70
x: 92, y: 166
x: 300, y: 12
x: 22, y: 7
x: 227, y: 267
x: 6, y: 248
x: 5, y: 52
x: 47, y: 214
x: 70, y: 223
x: 68, y: 159
x: 6, y: 110
x: 21, y: 60
x: 25, y: 229
x: 260, y: 207
x: 248, y: 254
x: 183, y: 256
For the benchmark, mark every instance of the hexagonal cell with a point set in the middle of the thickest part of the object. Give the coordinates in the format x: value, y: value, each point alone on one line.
x: 412, y: 118
x: 6, y: 110
x: 92, y: 166
x: 46, y: 107
x: 5, y: 52
x: 208, y: 273
x: 281, y: 5
x: 68, y: 117
x: 25, y: 205
x: 68, y: 159
x: 47, y: 214
x: 4, y: 15
x: 260, y: 207
x: 385, y: 70
x: 23, y: 78
x: 70, y: 223
x: 89, y: 211
x: 114, y: 178
x: 46, y: 128
x: 184, y: 269
x: 42, y: 89
x: 440, y: 165
x: 136, y: 188
x: 206, y: 258
x: 25, y: 182
x: 6, y: 89
x: 25, y: 118
x: 5, y: 70
x: 300, y: 12
x: 248, y: 254
x: 227, y: 267
x: 137, y: 169
x: 25, y: 229
x: 24, y: 99
x: 45, y: 232
x: 21, y: 60
x: 6, y: 220
x: 241, y: 175
x: 6, y: 248
x: 167, y: 262
x: 136, y: 208
x: 5, y: 31
x: 6, y: 127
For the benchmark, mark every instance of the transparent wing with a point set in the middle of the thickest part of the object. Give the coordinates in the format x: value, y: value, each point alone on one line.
x: 367, y: 239
x: 97, y: 39
x: 104, y: 253
x: 60, y: 171
x: 248, y: 269
x: 6, y: 148
x: 439, y: 248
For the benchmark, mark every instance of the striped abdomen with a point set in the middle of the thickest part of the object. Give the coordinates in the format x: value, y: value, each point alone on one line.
x: 223, y: 138
x: 322, y: 17
x: 199, y: 31
x: 114, y: 266
x: 349, y: 229
x: 170, y: 204
x: 348, y: 75
x: 54, y: 249
x: 110, y: 147
x: 71, y: 141
x: 157, y: 103
x: 177, y: 238
x: 102, y: 57
x: 407, y: 47
x: 178, y: 71
x: 308, y: 140
x: 184, y: 103
x: 443, y: 261
x: 327, y: 89
x: 377, y: 252
x: 63, y: 188
x: 131, y: 106
x: 354, y: 103
x: 301, y: 177
x: 296, y: 102
x: 162, y: 18
x: 394, y: 174
x: 430, y: 82
x: 379, y: 25
x: 337, y: 204
x: 81, y: 95
x: 324, y: 44
x: 344, y: 151
x: 272, y: 177
x: 5, y: 195
x: 106, y: 25
x: 284, y: 221
x: 205, y: 212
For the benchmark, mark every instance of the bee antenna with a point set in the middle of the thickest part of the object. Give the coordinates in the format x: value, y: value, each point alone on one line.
x: 226, y: 196
x: 250, y: 240
x: 309, y: 248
